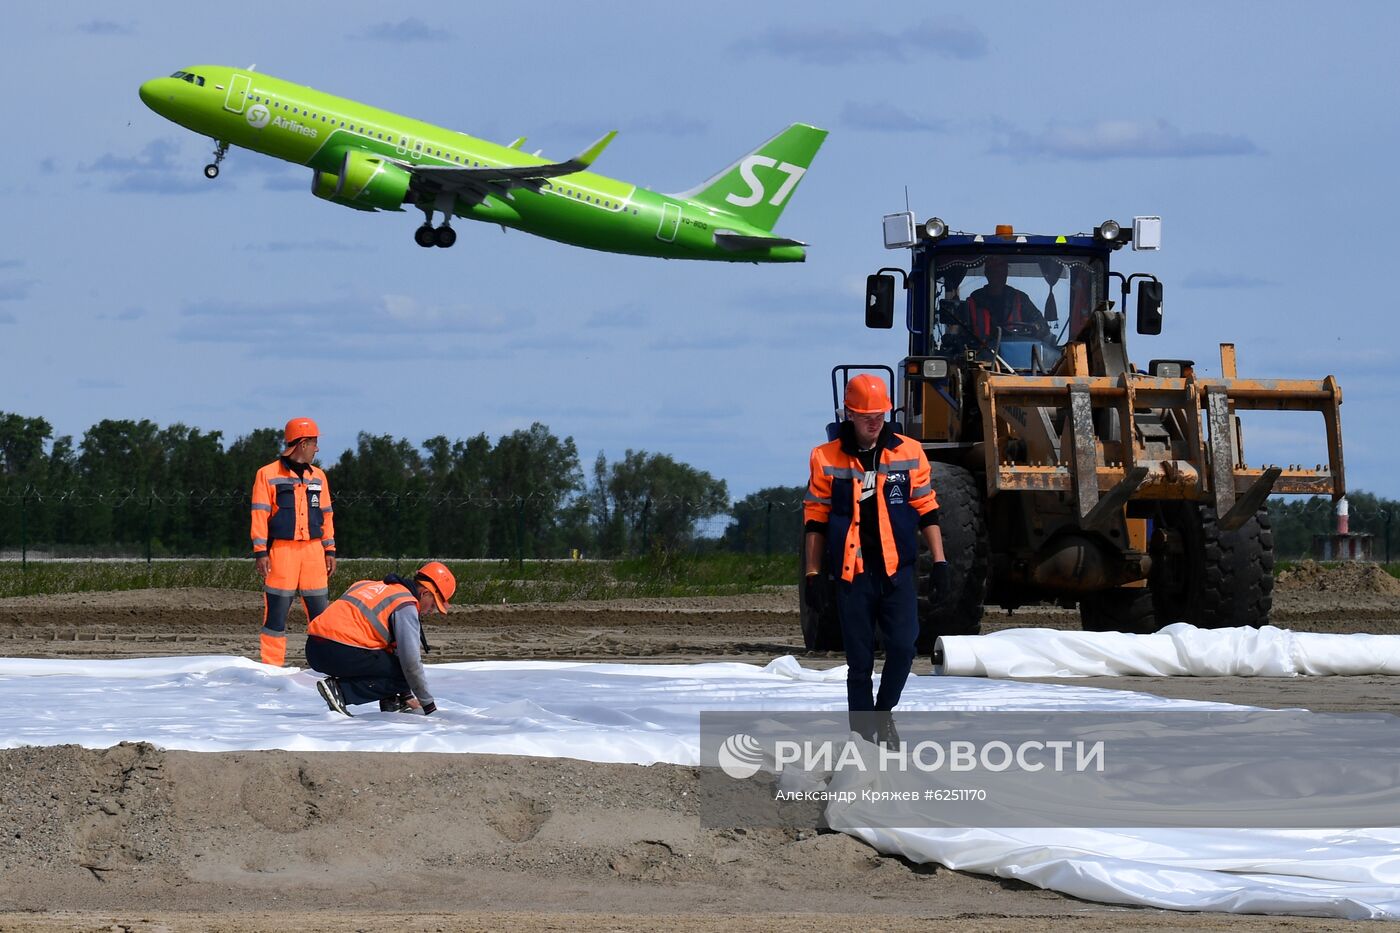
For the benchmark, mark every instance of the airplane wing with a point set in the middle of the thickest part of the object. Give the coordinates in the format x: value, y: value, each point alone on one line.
x: 726, y: 239
x: 478, y: 183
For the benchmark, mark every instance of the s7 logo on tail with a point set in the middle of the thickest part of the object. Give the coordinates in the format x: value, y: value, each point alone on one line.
x: 756, y: 189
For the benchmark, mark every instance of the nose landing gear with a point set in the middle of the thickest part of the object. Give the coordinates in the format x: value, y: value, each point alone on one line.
x: 211, y: 171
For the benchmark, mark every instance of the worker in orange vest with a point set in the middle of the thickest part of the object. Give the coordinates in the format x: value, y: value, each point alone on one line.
x: 370, y: 642
x: 997, y: 303
x: 293, y: 533
x: 869, y: 498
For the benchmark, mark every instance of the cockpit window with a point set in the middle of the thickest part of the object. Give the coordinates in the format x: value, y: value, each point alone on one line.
x: 191, y: 78
x: 178, y: 74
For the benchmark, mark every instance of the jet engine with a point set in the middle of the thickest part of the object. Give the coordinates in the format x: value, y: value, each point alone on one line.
x: 323, y: 185
x: 365, y: 182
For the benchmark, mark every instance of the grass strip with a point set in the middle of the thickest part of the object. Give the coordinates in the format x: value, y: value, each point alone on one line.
x: 478, y: 581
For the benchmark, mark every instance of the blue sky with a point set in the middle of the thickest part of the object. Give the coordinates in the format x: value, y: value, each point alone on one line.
x: 132, y: 287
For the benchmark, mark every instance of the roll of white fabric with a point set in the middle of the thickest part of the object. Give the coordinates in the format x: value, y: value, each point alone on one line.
x: 1178, y: 650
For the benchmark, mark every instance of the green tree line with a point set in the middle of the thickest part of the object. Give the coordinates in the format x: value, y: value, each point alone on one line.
x: 134, y: 488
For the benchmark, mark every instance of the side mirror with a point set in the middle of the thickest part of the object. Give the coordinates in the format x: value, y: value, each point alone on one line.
x: 879, y: 301
x: 1149, y: 308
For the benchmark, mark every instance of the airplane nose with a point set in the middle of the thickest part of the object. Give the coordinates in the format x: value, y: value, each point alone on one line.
x: 151, y: 94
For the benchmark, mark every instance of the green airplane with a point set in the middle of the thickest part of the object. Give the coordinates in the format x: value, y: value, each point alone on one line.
x: 373, y: 160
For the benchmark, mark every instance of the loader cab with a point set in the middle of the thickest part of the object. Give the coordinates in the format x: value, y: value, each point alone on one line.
x: 1013, y: 307
x: 1011, y: 300
x: 1004, y: 301
x: 1005, y: 297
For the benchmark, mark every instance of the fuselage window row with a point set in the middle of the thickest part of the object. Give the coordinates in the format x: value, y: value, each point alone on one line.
x: 418, y: 146
x: 299, y: 111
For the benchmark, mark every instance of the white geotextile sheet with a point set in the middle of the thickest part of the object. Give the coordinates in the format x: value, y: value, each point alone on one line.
x: 1178, y: 650
x: 645, y: 714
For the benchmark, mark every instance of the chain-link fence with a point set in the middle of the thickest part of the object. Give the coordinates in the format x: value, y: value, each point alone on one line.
x: 152, y: 524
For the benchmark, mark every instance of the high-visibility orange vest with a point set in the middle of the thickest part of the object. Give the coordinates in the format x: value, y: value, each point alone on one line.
x: 361, y: 616
x: 982, y: 317
x: 288, y: 506
x: 903, y: 493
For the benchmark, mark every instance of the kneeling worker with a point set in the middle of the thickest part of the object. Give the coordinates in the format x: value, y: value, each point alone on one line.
x: 369, y: 641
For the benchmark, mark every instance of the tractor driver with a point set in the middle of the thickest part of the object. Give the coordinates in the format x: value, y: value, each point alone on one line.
x: 997, y: 304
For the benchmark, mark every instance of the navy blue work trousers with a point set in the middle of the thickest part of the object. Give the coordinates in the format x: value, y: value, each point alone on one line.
x: 890, y: 604
x: 364, y: 674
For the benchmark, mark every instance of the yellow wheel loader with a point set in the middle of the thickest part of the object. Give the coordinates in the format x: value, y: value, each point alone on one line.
x: 1065, y: 472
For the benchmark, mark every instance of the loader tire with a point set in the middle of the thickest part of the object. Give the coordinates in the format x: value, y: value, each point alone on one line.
x: 1120, y: 610
x: 960, y: 517
x: 1215, y: 578
x: 820, y: 631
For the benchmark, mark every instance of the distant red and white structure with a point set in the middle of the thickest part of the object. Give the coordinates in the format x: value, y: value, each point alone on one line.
x: 1343, y: 545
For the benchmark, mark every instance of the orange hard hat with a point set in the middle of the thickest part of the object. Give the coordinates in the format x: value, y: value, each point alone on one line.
x: 440, y: 582
x: 298, y: 428
x: 867, y: 395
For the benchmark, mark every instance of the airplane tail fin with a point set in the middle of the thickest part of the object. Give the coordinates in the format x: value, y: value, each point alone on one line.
x: 757, y: 187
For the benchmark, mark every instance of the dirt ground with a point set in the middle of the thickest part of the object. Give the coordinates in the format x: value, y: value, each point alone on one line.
x: 136, y: 838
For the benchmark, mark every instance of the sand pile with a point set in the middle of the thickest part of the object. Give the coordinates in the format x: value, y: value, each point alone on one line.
x: 1310, y: 576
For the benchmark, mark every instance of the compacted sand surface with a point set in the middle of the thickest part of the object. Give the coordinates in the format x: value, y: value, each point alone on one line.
x: 136, y: 838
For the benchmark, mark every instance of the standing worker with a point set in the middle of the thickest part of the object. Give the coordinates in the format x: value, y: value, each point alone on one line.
x: 869, y: 497
x: 368, y: 642
x: 293, y: 535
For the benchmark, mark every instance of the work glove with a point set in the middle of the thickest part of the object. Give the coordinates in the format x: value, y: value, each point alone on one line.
x: 814, y: 592
x: 936, y: 585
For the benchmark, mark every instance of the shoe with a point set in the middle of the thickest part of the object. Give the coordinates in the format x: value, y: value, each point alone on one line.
x: 876, y: 727
x: 864, y: 724
x: 886, y: 735
x: 396, y: 704
x: 330, y: 692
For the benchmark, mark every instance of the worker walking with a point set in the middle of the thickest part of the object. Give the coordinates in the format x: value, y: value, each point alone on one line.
x: 869, y: 497
x: 370, y: 641
x: 293, y: 535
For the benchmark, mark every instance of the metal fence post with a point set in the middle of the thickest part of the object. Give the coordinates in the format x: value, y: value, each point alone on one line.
x: 1389, y: 514
x: 23, y: 540
x: 150, y: 504
x: 520, y: 531
x: 396, y: 529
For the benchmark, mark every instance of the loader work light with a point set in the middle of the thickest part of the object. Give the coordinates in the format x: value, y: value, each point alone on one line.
x: 1108, y: 231
x: 1166, y: 369
x: 935, y: 369
x: 935, y: 228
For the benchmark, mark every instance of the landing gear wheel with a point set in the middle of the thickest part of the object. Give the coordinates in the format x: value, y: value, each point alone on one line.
x: 1121, y: 610
x: 211, y: 170
x: 820, y: 631
x: 1209, y: 577
x: 445, y: 236
x: 425, y: 236
x: 959, y: 611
